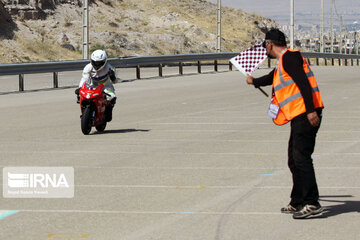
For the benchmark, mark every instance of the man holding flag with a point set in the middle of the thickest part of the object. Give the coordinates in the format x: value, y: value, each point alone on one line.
x: 295, y: 98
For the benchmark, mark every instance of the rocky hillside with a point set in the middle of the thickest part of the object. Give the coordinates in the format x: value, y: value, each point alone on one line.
x: 51, y: 30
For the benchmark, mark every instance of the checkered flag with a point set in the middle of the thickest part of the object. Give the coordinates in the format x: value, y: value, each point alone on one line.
x: 250, y: 59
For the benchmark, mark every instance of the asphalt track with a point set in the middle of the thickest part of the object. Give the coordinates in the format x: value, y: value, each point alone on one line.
x: 185, y: 157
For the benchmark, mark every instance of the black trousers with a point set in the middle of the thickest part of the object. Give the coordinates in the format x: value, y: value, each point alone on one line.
x: 301, y: 147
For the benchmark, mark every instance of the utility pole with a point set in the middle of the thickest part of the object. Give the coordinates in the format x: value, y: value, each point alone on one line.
x: 357, y: 44
x: 85, y: 36
x: 346, y: 40
x: 341, y: 35
x: 322, y: 27
x: 332, y: 26
x: 356, y: 50
x: 292, y: 24
x: 218, y: 42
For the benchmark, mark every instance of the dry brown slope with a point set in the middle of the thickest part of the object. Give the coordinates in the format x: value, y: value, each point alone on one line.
x: 133, y: 28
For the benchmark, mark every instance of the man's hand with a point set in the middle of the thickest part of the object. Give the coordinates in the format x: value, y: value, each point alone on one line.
x: 313, y: 119
x: 250, y: 80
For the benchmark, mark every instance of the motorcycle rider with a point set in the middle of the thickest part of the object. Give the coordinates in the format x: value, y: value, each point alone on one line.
x: 99, y: 71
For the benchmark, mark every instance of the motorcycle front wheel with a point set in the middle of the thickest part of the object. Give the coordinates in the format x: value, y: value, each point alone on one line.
x: 101, y: 127
x: 86, y: 121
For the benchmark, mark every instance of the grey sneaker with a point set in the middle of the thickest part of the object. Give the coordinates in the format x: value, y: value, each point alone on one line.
x: 308, y: 211
x: 290, y: 209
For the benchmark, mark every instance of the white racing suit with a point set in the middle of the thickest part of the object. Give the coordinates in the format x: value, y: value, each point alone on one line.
x: 105, y: 76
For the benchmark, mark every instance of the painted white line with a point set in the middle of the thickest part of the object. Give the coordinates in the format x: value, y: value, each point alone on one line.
x: 221, y: 130
x: 216, y: 116
x: 207, y: 123
x: 147, y: 212
x: 226, y: 140
x: 205, y: 187
x: 209, y: 168
x: 321, y: 187
x: 144, y: 152
x: 138, y: 141
x: 194, y: 168
x: 7, y: 213
x: 335, y: 115
x: 321, y: 132
x: 208, y: 153
x: 172, y: 153
x: 189, y: 168
x: 146, y: 186
x: 219, y: 117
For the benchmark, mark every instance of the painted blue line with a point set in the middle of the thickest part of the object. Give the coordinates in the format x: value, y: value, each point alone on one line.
x: 315, y: 155
x: 7, y: 214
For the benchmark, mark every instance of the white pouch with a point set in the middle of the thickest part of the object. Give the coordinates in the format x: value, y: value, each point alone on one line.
x: 273, y: 110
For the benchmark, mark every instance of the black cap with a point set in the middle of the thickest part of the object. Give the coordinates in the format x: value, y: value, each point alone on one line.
x: 276, y: 36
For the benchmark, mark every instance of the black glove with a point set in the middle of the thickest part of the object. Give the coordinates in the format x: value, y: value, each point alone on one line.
x: 77, y: 95
x: 113, y: 101
x: 112, y: 75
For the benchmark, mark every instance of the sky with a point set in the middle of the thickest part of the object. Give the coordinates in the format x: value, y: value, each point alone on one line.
x: 280, y: 9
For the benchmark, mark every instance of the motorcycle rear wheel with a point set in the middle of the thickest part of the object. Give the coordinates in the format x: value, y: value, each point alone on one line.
x: 86, y: 121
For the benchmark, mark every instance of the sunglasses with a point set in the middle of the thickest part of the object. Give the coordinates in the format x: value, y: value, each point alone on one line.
x: 265, y: 42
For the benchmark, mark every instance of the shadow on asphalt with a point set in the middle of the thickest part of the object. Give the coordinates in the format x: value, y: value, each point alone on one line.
x: 122, y: 131
x: 341, y: 206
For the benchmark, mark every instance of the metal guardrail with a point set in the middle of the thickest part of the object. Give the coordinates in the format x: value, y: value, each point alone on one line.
x: 62, y: 66
x: 138, y: 62
x: 329, y: 55
x: 332, y: 57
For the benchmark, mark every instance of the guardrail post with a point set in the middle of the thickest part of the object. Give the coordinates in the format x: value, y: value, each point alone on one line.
x: 352, y: 62
x: 138, y: 71
x: 317, y: 61
x: 199, y: 67
x: 339, y: 62
x: 309, y: 61
x: 160, y: 70
x: 21, y: 82
x: 181, y: 72
x: 345, y: 62
x: 215, y: 65
x: 357, y: 62
x: 230, y: 66
x: 332, y: 62
x: 325, y: 61
x: 55, y: 80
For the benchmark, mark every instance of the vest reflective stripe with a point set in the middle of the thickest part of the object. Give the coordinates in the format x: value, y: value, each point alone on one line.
x: 283, y: 84
x: 310, y: 74
x: 290, y: 81
x: 295, y: 96
x: 287, y: 95
x: 315, y: 89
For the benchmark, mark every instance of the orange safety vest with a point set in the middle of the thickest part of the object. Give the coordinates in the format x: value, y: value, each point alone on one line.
x: 287, y: 95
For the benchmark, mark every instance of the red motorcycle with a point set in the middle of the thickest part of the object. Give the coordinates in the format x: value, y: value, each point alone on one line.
x: 93, y: 105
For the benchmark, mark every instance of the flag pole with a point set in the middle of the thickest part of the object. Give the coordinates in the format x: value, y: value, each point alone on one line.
x: 267, y: 95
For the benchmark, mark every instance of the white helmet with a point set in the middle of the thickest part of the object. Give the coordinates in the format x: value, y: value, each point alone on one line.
x: 98, y: 59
